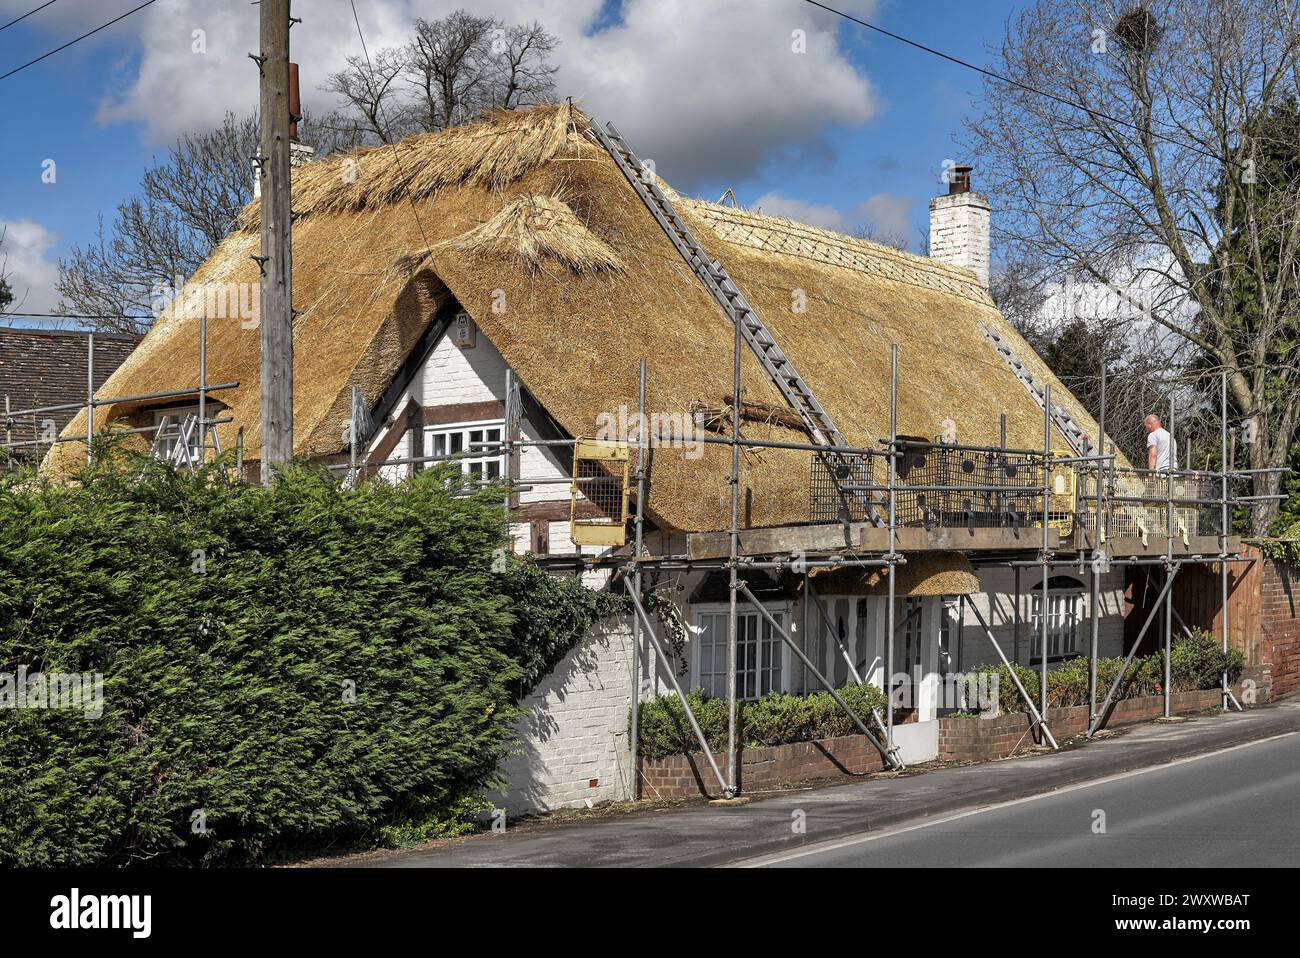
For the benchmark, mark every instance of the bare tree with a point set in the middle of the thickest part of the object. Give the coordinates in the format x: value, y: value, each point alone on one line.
x: 187, y: 203
x: 524, y: 76
x: 453, y: 69
x: 450, y: 64
x: 6, y: 291
x: 1017, y: 289
x: 368, y: 88
x: 1128, y: 151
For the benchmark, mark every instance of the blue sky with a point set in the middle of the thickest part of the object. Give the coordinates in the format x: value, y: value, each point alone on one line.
x: 868, y: 133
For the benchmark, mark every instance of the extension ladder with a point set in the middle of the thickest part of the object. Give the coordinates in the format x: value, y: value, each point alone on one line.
x: 1074, y: 434
x: 771, y: 357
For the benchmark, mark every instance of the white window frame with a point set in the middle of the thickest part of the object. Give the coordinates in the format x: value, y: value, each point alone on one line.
x: 950, y: 628
x: 463, y: 430
x: 1064, y: 616
x: 720, y: 610
x: 912, y: 635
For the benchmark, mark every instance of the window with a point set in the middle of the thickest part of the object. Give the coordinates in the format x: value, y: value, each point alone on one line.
x: 951, y: 614
x: 465, y: 439
x: 1064, y: 598
x: 758, y: 654
x: 908, y: 621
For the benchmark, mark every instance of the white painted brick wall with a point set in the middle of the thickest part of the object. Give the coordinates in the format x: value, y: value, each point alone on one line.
x: 574, y: 729
x: 542, y: 462
x: 455, y: 375
x: 451, y: 376
x: 996, y: 600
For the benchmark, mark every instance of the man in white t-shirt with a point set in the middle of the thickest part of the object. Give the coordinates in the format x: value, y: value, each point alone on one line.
x: 1162, y: 452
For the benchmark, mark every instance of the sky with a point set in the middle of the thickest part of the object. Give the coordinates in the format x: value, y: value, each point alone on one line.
x: 798, y: 112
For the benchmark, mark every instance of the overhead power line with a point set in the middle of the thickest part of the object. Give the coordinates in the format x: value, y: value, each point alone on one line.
x: 388, y: 132
x: 91, y: 33
x: 5, y: 315
x: 1002, y: 78
x: 27, y: 14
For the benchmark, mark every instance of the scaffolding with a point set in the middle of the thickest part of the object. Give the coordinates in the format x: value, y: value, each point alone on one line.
x: 1064, y: 508
x: 1060, y: 509
x: 927, y: 487
x: 1076, y: 523
x: 186, y: 442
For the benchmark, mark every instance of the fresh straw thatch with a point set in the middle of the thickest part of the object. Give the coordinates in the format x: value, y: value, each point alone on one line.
x: 383, y: 239
x: 492, y: 154
x: 924, y: 573
x: 538, y: 228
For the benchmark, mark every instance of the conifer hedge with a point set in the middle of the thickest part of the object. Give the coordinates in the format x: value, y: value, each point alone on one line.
x: 284, y: 668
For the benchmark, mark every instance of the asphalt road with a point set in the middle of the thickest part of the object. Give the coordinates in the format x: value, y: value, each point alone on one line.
x: 1244, y: 790
x: 1239, y: 807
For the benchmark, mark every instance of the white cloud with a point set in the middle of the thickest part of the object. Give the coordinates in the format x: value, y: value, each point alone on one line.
x: 887, y: 215
x: 706, y: 89
x: 814, y: 214
x: 24, y: 260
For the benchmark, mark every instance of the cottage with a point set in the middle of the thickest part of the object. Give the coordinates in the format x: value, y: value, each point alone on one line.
x: 489, y: 293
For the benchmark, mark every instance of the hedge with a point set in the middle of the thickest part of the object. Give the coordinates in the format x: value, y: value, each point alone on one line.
x: 663, y: 730
x: 1196, y: 662
x: 284, y: 668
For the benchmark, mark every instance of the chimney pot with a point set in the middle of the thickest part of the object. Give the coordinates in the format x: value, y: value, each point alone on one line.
x: 959, y: 182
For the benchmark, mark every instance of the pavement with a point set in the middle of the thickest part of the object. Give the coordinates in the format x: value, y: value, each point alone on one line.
x: 862, y: 821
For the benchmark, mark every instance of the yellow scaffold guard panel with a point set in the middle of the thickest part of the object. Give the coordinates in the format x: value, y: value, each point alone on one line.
x: 600, y: 477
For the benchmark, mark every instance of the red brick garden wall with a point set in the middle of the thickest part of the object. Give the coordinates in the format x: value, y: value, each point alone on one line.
x: 689, y: 776
x: 1277, y: 650
x: 960, y: 740
x: 1263, y: 615
x: 982, y: 740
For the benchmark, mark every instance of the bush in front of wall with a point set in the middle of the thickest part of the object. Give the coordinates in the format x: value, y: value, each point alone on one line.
x: 552, y: 614
x: 1196, y: 662
x: 663, y: 728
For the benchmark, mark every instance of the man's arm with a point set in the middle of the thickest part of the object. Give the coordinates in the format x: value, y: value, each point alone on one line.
x: 1151, y: 452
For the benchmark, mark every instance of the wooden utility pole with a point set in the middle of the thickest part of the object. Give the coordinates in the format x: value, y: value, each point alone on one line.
x: 276, y: 260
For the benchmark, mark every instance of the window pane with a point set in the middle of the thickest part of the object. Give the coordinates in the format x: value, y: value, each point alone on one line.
x: 494, y: 469
x: 439, y: 444
x: 457, y: 441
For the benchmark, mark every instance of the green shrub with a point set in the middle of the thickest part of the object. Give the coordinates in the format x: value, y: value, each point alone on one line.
x: 228, y: 691
x: 552, y: 614
x: 663, y: 729
x: 1196, y: 662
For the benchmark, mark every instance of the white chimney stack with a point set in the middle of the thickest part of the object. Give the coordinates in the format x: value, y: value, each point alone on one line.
x: 959, y: 226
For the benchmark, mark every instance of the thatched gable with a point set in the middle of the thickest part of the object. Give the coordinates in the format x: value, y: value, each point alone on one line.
x: 381, y: 242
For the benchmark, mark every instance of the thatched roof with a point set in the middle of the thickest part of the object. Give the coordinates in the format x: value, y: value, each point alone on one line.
x: 923, y: 574
x: 526, y: 206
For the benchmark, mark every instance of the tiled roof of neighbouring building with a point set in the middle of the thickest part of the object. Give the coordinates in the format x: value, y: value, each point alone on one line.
x: 47, y: 367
